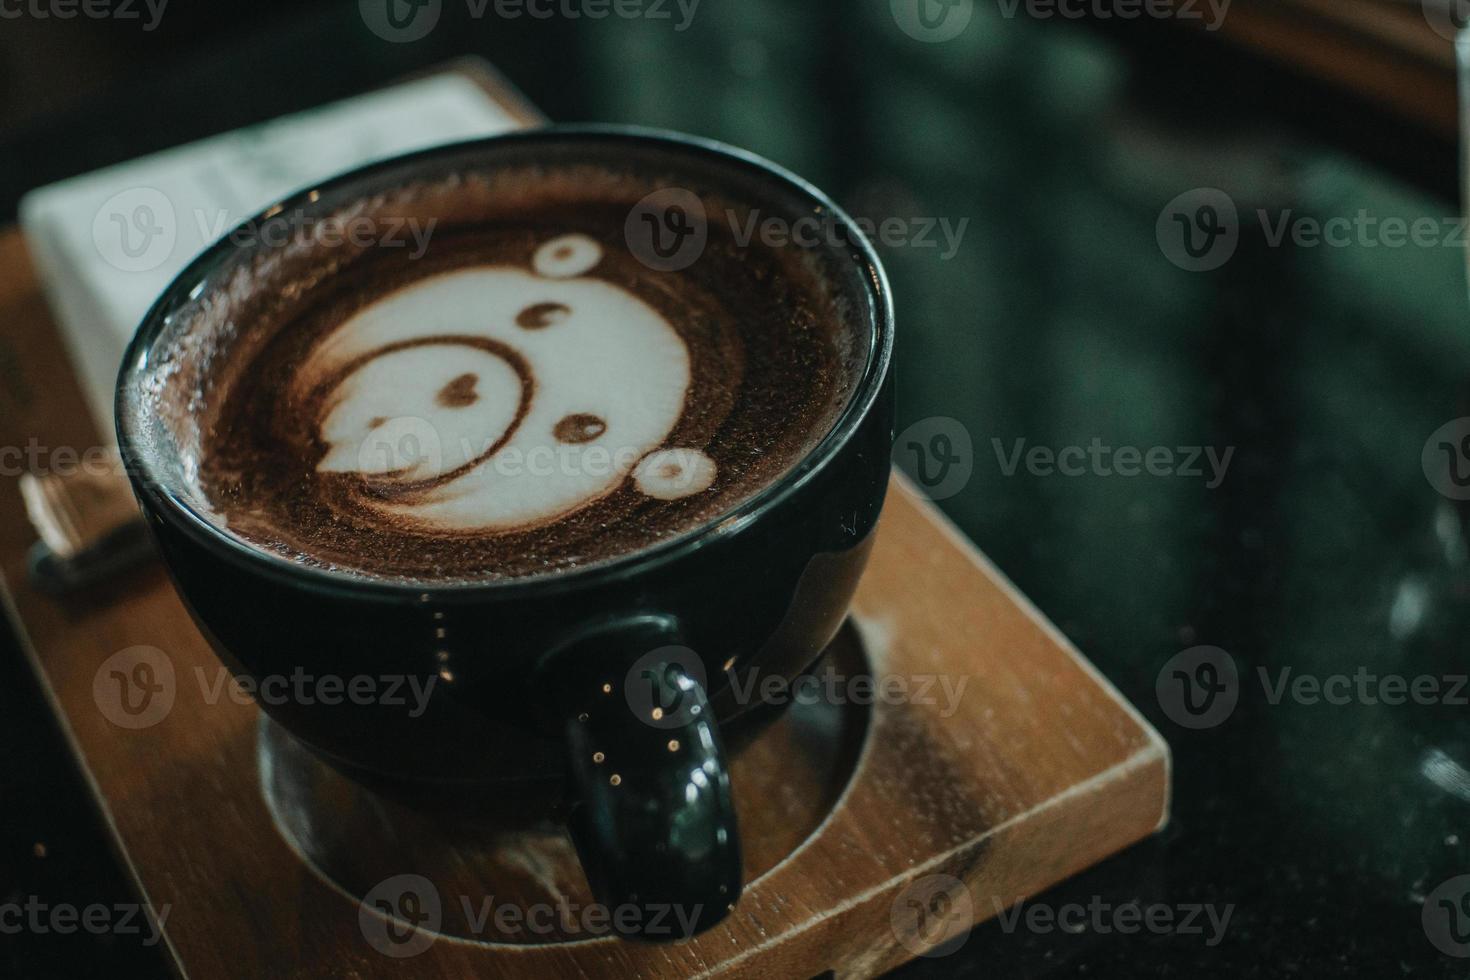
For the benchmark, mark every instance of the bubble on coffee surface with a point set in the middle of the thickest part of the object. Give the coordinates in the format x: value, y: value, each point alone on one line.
x: 490, y: 397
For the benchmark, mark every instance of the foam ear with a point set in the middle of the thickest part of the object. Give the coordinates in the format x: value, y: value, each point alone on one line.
x: 668, y: 474
x: 566, y: 256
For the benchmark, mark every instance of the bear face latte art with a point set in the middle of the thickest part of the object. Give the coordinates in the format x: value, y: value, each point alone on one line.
x: 523, y: 396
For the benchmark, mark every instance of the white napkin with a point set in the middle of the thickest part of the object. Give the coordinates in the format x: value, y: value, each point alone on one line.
x: 107, y: 243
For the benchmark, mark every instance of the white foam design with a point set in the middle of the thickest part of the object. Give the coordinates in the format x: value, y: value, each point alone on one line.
x: 567, y: 256
x: 606, y: 354
x: 669, y: 474
x: 437, y: 439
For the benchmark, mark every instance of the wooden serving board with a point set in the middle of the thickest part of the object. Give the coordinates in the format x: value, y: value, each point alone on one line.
x: 1041, y: 770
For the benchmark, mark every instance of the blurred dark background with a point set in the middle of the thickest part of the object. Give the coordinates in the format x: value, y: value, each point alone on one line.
x: 1058, y: 320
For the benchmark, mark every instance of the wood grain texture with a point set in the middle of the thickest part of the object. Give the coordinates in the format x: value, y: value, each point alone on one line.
x: 1042, y: 770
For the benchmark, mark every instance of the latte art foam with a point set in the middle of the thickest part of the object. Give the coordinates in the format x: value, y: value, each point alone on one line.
x: 432, y: 392
x: 525, y: 397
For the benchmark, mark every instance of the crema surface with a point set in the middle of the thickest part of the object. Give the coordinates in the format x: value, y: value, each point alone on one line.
x: 522, y: 396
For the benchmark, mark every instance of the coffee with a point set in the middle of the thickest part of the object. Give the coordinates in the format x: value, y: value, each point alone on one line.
x: 523, y: 395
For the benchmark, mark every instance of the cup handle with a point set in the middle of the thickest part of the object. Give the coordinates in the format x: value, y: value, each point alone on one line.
x: 651, y: 818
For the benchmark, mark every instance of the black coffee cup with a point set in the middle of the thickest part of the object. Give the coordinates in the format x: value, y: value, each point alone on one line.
x: 616, y: 673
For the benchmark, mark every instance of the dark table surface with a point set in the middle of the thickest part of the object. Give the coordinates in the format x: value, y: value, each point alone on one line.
x: 1314, y: 822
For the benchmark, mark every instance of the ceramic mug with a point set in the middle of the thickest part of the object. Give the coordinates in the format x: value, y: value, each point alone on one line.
x: 568, y: 664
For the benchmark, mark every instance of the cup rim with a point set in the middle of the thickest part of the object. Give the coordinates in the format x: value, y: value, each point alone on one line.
x: 170, y: 505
